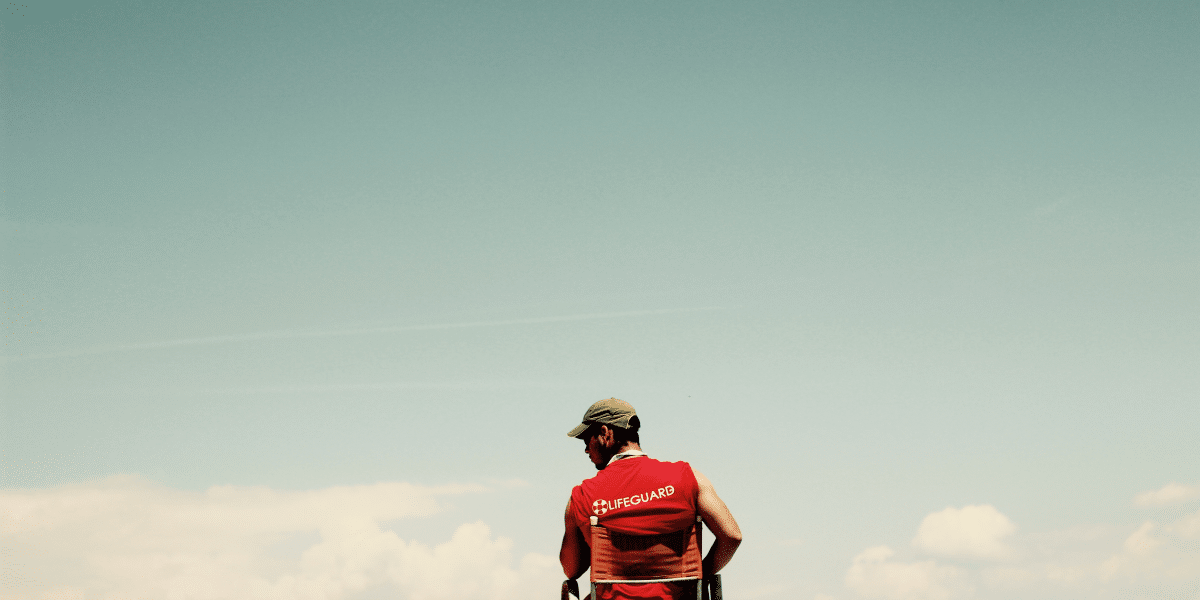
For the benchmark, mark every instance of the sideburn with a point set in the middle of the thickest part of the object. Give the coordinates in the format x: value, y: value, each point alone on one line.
x: 606, y: 453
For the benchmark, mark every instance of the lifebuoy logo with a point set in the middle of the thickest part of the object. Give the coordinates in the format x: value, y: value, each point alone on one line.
x: 602, y: 506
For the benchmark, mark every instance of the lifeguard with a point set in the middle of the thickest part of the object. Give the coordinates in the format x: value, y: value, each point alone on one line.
x: 637, y: 495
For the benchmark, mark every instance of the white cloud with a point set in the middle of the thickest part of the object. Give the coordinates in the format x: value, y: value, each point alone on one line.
x: 967, y: 532
x: 874, y: 575
x: 1105, y: 562
x: 1141, y: 541
x: 1188, y: 528
x: 1005, y: 577
x: 1172, y: 493
x: 1152, y: 552
x: 126, y: 537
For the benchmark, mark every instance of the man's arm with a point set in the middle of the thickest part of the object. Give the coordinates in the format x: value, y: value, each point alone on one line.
x: 575, y: 554
x: 720, y: 521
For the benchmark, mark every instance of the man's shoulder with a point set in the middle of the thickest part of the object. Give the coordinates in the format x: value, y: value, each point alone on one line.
x: 621, y: 469
x: 668, y: 464
x: 639, y: 466
x: 577, y: 490
x: 639, y: 463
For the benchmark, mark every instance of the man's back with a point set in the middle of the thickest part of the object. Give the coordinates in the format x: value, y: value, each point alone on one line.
x: 632, y: 494
x: 638, y: 495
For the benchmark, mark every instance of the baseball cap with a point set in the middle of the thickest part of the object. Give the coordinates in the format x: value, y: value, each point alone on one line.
x: 610, y: 411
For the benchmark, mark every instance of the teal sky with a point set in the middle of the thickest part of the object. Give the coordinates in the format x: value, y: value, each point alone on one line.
x: 855, y: 261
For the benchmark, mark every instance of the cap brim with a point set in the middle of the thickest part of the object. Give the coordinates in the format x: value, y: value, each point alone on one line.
x: 578, y: 431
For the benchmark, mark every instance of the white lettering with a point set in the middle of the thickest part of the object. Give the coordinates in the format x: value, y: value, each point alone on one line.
x: 634, y: 500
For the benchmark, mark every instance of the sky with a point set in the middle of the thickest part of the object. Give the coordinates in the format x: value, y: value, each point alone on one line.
x: 300, y: 299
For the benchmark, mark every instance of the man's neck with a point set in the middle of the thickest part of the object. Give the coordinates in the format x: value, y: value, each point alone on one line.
x: 630, y: 446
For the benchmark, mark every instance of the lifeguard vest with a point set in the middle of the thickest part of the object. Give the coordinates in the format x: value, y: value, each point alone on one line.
x: 640, y: 496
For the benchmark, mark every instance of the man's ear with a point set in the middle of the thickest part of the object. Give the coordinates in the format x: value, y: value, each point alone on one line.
x: 606, y: 434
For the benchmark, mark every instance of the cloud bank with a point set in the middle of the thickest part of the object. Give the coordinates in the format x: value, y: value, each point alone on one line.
x: 874, y: 575
x: 974, y: 553
x: 969, y: 532
x: 1172, y: 493
x: 126, y: 537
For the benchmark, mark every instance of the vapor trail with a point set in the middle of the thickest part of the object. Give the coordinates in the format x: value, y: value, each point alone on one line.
x: 294, y: 334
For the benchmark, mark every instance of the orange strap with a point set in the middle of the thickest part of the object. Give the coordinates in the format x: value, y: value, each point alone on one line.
x: 637, y: 558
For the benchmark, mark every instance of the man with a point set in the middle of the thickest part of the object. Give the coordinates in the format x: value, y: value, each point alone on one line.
x: 635, y: 494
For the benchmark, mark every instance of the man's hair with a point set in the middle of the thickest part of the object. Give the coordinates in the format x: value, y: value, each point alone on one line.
x: 620, y: 434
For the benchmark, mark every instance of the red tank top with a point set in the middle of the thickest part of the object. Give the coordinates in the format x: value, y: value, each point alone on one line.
x: 640, y: 496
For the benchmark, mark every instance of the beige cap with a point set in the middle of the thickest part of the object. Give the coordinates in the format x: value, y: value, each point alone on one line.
x: 611, y: 411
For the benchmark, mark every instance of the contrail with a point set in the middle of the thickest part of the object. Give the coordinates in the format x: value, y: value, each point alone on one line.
x: 392, y: 386
x: 293, y: 334
x: 384, y: 386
